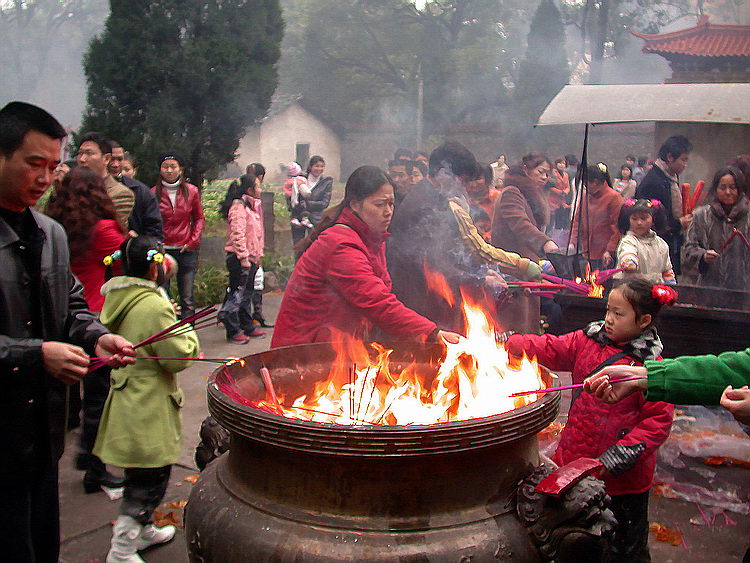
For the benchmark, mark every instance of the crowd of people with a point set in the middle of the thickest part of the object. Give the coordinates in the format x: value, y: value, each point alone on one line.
x: 90, y: 275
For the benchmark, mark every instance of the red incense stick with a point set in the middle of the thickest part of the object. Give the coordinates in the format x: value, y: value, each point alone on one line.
x: 213, y: 360
x: 266, y: 376
x: 575, y: 386
x: 99, y: 362
x: 539, y: 285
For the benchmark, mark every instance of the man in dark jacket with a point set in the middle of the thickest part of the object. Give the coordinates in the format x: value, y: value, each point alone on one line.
x: 46, y: 336
x: 431, y: 230
x: 145, y: 218
x: 662, y: 182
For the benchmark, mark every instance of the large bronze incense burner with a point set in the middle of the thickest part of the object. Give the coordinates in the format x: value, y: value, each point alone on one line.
x: 292, y: 490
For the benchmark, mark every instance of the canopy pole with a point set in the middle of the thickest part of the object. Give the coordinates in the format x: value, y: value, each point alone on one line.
x: 581, y: 183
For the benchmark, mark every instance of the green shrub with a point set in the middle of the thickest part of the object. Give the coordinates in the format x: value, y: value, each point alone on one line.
x: 209, y: 287
x: 281, y: 265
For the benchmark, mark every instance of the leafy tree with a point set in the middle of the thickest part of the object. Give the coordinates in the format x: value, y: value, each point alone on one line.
x: 604, y: 26
x: 183, y: 75
x: 364, y: 61
x: 544, y: 70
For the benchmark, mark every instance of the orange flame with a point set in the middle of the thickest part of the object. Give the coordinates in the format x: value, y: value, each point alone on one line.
x: 596, y: 289
x: 475, y: 380
x: 436, y: 282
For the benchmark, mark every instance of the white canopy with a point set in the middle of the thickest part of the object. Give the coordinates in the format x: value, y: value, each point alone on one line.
x: 620, y: 103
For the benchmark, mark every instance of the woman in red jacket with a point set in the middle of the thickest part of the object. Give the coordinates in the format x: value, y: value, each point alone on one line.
x: 340, y: 283
x: 625, y: 436
x: 182, y: 213
x: 82, y: 206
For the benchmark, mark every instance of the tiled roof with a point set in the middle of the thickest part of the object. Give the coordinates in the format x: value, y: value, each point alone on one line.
x: 703, y: 40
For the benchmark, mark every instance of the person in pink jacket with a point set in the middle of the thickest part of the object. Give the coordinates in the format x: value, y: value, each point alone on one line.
x: 244, y: 248
x: 625, y: 436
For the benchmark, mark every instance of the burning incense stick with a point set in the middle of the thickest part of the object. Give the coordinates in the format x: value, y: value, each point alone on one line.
x: 161, y: 335
x: 583, y: 289
x: 327, y: 414
x: 362, y: 390
x: 538, y: 285
x: 606, y: 275
x: 575, y: 386
x: 266, y: 377
x: 372, y: 391
x: 212, y: 360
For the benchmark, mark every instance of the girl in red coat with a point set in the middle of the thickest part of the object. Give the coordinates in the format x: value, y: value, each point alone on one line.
x: 624, y: 436
x: 340, y: 283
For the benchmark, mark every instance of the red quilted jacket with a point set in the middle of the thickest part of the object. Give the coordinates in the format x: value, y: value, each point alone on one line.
x: 341, y: 283
x: 593, y: 426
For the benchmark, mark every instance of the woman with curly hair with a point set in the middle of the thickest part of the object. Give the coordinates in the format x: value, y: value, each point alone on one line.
x: 83, y: 207
x: 88, y: 215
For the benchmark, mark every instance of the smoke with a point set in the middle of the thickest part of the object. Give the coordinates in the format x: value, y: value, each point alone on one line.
x: 42, y: 49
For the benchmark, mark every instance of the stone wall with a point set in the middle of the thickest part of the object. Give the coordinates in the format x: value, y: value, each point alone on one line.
x: 713, y: 145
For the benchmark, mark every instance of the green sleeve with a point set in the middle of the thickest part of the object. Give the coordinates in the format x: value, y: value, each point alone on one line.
x: 697, y: 380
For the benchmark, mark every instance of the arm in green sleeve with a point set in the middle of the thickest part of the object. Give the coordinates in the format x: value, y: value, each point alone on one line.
x: 697, y: 380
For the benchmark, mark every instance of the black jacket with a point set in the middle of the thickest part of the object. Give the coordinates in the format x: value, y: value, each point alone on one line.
x: 319, y: 199
x: 32, y: 403
x: 424, y: 232
x: 145, y: 219
x: 656, y: 185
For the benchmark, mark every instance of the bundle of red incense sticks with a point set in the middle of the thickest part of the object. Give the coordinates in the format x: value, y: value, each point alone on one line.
x: 201, y: 319
x: 689, y: 202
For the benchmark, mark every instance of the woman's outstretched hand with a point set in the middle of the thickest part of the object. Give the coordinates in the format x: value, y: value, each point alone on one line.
x: 599, y: 383
x: 449, y: 337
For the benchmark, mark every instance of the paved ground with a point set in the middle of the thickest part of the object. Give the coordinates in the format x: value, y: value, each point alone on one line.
x: 86, y: 519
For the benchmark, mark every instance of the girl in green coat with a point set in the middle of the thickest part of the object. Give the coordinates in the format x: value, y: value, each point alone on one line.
x: 140, y: 428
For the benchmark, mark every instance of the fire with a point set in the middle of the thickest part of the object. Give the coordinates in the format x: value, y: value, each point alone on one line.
x: 475, y: 380
x: 591, y: 278
x: 436, y: 282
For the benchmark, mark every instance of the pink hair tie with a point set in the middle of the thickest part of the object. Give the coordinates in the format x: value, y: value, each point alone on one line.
x: 630, y: 202
x: 655, y: 202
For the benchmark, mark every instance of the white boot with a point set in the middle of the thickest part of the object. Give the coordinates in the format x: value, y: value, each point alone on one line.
x: 151, y: 535
x: 125, y: 534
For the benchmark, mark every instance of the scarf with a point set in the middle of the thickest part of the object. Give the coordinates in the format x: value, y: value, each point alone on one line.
x: 674, y: 187
x: 173, y: 186
x: 647, y: 346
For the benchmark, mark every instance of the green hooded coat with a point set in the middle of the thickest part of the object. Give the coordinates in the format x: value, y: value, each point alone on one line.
x: 141, y: 424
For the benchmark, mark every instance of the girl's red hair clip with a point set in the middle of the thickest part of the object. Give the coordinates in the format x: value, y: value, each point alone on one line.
x: 664, y: 294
